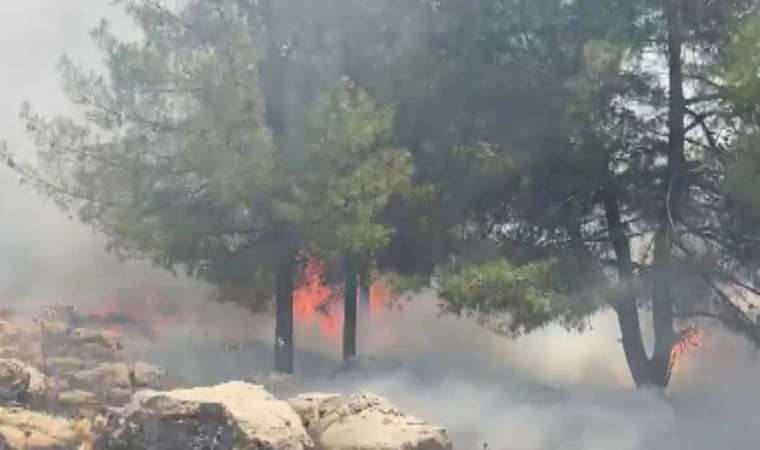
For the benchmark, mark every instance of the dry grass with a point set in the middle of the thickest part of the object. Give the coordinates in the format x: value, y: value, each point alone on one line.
x: 24, y: 429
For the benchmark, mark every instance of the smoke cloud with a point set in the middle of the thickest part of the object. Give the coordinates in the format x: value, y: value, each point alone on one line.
x: 549, y: 390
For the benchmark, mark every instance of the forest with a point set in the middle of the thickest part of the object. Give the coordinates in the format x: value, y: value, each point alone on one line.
x: 531, y: 162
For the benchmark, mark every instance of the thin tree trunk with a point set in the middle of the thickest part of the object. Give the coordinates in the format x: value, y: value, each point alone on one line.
x: 662, y: 296
x: 655, y: 371
x: 626, y: 307
x: 365, y: 327
x: 662, y: 310
x: 349, y: 314
x: 283, y: 334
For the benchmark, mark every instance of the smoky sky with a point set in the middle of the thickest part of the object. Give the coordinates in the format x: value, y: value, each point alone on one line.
x: 453, y: 371
x: 45, y: 256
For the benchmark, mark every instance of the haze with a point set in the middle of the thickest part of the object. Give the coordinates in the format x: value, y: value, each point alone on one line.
x: 550, y: 390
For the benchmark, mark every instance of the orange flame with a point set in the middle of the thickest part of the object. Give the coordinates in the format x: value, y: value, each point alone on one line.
x: 379, y: 296
x: 690, y: 338
x: 144, y: 306
x: 314, y: 302
x: 310, y: 301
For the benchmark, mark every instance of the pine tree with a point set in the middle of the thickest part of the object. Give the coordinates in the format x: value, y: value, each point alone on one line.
x: 354, y: 174
x: 564, y: 162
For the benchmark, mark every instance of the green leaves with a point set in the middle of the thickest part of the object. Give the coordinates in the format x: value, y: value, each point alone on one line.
x: 513, y: 300
x: 740, y: 69
x: 353, y: 174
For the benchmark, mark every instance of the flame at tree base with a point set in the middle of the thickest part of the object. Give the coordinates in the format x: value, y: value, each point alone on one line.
x: 691, y: 337
x: 317, y: 304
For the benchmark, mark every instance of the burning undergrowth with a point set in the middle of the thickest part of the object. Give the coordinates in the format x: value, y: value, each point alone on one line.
x: 66, y: 386
x: 550, y: 390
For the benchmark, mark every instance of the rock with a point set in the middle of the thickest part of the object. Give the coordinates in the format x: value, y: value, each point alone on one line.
x: 20, y: 382
x: 308, y: 407
x: 116, y: 396
x: 111, y: 377
x: 365, y: 421
x: 102, y: 378
x: 23, y: 429
x: 145, y: 375
x: 281, y: 385
x: 77, y: 399
x: 227, y: 416
x: 80, y: 403
x: 161, y: 422
x: 96, y: 337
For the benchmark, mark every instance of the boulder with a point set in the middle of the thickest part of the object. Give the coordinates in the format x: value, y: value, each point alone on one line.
x: 20, y: 382
x: 231, y: 415
x: 108, y: 377
x: 365, y: 421
x: 95, y: 337
x: 145, y: 375
x: 103, y: 377
x: 88, y: 344
x: 162, y: 422
x: 311, y: 408
x: 78, y: 400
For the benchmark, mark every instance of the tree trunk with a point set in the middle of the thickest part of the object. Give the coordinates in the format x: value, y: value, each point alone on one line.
x: 655, y: 371
x: 674, y: 186
x: 349, y: 304
x: 283, y: 334
x: 365, y: 328
x: 626, y: 307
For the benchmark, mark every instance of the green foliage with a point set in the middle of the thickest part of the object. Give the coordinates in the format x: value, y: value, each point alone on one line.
x: 508, y: 135
x: 352, y: 171
x: 405, y: 284
x: 740, y: 68
x: 179, y: 155
x: 512, y: 299
x: 173, y: 151
x: 742, y: 183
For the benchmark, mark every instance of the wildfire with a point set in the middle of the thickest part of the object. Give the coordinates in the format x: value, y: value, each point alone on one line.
x: 691, y: 337
x: 147, y: 312
x: 379, y: 296
x: 311, y: 298
x: 314, y: 302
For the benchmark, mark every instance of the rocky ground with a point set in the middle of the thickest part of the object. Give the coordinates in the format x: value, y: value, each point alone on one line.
x: 65, y: 386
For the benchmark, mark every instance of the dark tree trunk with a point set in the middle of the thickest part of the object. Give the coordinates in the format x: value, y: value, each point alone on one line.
x: 674, y: 186
x: 655, y: 371
x: 662, y: 310
x: 349, y: 304
x: 626, y: 307
x: 364, y: 314
x: 283, y: 334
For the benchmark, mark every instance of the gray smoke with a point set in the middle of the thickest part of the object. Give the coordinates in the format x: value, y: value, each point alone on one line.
x: 551, y: 390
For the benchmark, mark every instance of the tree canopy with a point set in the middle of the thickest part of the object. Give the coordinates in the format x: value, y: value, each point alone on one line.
x: 534, y: 160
